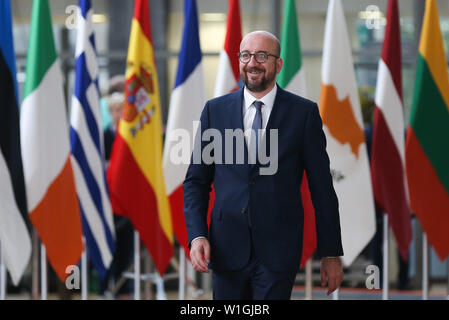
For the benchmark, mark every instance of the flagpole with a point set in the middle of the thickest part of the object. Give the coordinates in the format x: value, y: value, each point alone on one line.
x: 425, y: 268
x: 309, y: 279
x: 385, y: 269
x: 335, y: 295
x: 447, y: 261
x: 136, y: 266
x: 147, y: 271
x: 84, y: 271
x: 160, y: 295
x: 35, y: 263
x: 191, y: 274
x: 2, y: 275
x: 182, y: 274
x: 43, y: 273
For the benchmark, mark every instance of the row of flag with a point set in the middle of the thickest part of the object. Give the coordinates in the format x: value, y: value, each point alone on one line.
x: 57, y: 180
x: 404, y: 176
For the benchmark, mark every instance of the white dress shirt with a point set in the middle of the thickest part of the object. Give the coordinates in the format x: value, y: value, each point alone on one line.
x: 249, y: 110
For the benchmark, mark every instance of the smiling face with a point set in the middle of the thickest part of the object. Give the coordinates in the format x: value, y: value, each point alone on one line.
x: 260, y: 78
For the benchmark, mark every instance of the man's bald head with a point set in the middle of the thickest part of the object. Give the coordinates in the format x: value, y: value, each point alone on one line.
x: 271, y: 38
x: 259, y: 75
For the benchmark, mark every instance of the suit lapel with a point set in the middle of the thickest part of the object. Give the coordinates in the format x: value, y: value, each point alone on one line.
x: 279, y: 110
x: 237, y: 110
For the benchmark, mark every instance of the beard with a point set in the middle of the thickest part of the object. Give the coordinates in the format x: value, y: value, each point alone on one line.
x: 259, y: 85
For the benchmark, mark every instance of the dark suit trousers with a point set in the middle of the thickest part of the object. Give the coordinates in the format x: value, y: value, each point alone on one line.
x: 253, y: 282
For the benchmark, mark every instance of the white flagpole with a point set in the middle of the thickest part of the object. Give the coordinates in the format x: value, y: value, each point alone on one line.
x: 447, y: 261
x: 2, y: 275
x: 136, y: 266
x: 425, y: 268
x: 160, y: 295
x: 191, y: 274
x: 43, y: 272
x: 35, y: 264
x: 335, y: 295
x: 309, y: 279
x: 182, y: 274
x: 385, y: 270
x: 147, y: 271
x: 84, y: 271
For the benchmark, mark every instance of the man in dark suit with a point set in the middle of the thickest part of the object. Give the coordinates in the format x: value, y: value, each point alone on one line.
x: 254, y: 241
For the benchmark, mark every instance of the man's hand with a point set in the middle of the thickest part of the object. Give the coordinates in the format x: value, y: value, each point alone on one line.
x: 200, y: 254
x: 331, y: 273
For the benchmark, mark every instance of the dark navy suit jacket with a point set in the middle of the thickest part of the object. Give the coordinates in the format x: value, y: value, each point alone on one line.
x: 263, y: 209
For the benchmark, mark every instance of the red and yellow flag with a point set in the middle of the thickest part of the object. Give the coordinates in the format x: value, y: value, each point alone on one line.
x: 135, y: 175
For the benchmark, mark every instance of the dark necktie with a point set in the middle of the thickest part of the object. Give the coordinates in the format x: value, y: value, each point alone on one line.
x: 257, y: 125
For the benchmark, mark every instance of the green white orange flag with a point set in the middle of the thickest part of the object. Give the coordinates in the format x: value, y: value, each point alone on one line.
x: 427, y: 142
x: 291, y: 76
x: 292, y: 79
x: 49, y: 181
x: 135, y: 174
x: 343, y: 126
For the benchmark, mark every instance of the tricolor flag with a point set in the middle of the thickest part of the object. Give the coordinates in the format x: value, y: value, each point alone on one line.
x: 135, y: 173
x: 427, y: 143
x: 14, y: 238
x: 292, y: 79
x: 49, y: 181
x: 387, y: 151
x: 86, y: 138
x: 186, y: 104
x: 343, y: 126
x: 228, y: 75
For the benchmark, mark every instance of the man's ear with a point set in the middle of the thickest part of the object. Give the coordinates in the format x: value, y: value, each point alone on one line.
x: 279, y: 64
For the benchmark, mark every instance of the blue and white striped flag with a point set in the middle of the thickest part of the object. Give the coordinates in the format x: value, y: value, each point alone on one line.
x: 86, y: 141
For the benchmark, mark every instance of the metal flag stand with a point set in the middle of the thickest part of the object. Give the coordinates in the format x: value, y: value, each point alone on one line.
x: 309, y: 276
x: 2, y: 275
x: 182, y: 274
x: 136, y: 266
x: 385, y: 259
x: 137, y: 276
x: 160, y: 287
x: 336, y: 295
x: 84, y: 282
x: 156, y: 278
x: 447, y: 262
x: 425, y: 268
x: 43, y: 273
x: 185, y: 274
x: 35, y: 267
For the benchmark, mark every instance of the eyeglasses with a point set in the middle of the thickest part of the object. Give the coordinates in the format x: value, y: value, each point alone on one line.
x: 260, y: 56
